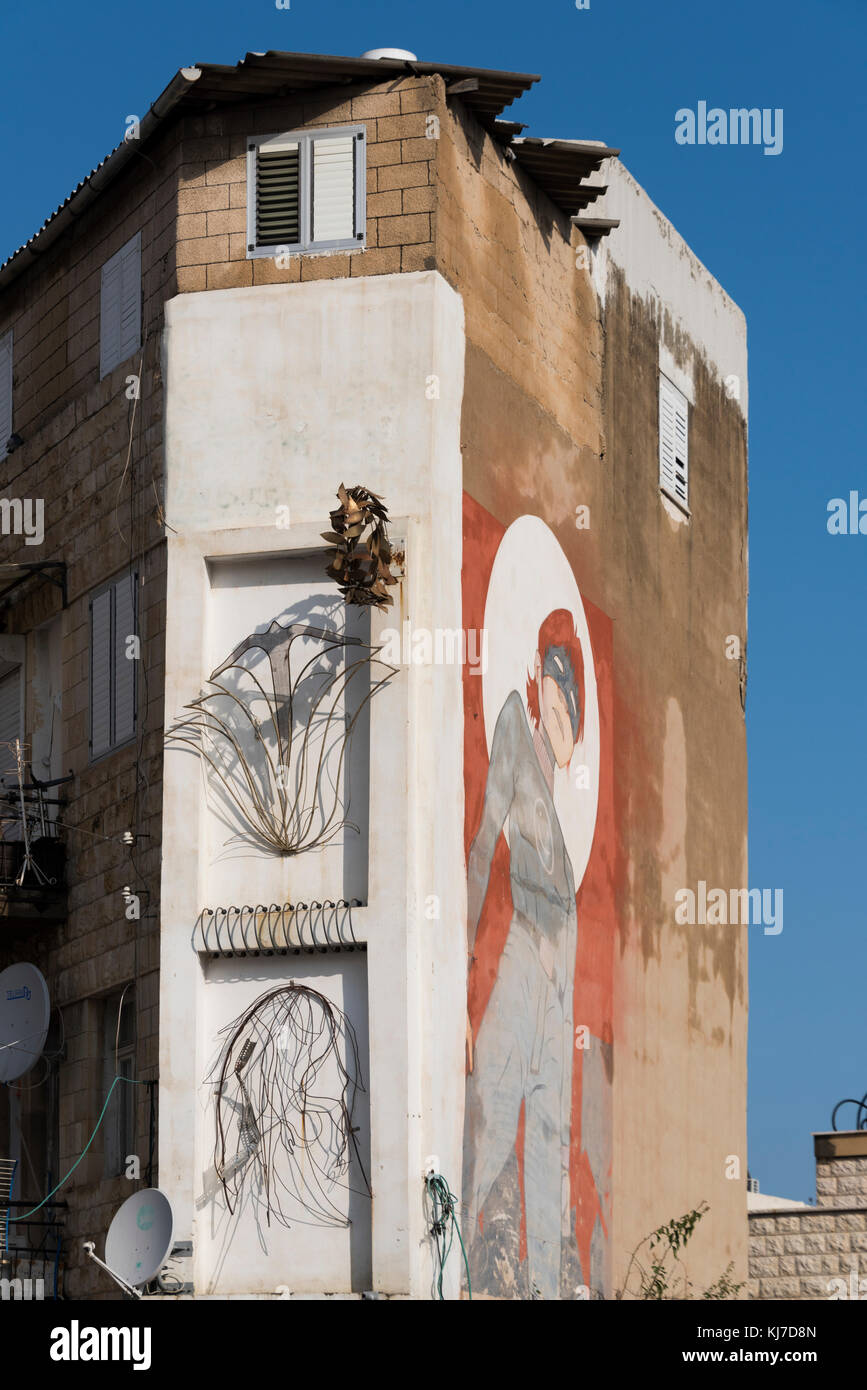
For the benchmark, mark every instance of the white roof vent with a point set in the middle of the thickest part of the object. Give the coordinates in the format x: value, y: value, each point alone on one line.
x: 396, y: 53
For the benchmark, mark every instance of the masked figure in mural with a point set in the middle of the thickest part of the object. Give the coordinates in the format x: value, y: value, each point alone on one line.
x: 524, y: 1048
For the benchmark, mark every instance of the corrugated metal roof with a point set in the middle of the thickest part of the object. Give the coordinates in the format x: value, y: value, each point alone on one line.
x: 559, y: 166
x: 274, y: 73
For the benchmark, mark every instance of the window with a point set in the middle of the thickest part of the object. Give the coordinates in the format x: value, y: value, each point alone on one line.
x: 120, y: 307
x: 119, y: 1060
x: 5, y: 391
x: 306, y: 191
x: 113, y: 665
x: 673, y: 442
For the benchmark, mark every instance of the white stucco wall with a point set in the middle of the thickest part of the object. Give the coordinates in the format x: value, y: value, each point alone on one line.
x: 274, y: 396
x: 660, y: 266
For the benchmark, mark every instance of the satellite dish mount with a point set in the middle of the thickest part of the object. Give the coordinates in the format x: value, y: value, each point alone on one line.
x: 138, y: 1242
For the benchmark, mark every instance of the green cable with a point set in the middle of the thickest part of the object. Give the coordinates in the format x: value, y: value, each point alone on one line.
x: 131, y: 1082
x: 444, y: 1204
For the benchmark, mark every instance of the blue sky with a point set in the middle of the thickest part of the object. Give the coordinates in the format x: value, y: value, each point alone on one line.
x: 618, y: 72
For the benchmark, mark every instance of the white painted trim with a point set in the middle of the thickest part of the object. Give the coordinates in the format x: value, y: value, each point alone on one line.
x: 306, y: 139
x: 663, y: 270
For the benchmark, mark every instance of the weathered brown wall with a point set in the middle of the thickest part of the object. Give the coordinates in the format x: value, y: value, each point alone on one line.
x: 676, y: 589
x: 546, y: 429
x: 98, y: 470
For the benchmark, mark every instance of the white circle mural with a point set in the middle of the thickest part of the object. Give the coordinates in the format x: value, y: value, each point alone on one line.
x: 530, y: 578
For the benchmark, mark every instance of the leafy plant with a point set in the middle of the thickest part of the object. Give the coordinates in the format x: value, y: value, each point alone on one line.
x: 663, y: 1275
x: 724, y: 1286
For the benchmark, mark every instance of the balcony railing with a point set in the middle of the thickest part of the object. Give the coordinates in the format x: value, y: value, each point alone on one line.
x: 32, y: 853
x: 31, y: 1266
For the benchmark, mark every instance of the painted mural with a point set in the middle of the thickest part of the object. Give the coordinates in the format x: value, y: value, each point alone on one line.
x: 540, y: 920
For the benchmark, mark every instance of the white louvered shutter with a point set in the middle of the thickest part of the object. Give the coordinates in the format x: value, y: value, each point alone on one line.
x: 125, y: 667
x: 130, y: 298
x: 100, y: 674
x: 673, y: 442
x: 334, y: 189
x: 278, y: 187
x: 120, y: 306
x: 10, y: 716
x: 5, y: 390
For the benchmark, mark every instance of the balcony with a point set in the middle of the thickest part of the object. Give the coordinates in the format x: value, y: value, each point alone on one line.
x: 32, y: 853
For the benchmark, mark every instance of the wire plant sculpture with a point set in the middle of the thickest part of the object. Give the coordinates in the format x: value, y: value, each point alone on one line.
x: 275, y: 1121
x: 277, y: 747
x: 860, y: 1111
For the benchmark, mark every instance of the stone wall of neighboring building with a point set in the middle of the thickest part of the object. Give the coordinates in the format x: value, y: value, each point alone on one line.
x: 817, y: 1252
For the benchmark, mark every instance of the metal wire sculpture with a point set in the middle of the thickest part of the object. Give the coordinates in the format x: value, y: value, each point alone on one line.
x: 274, y: 1122
x: 277, y: 929
x: 280, y: 768
x: 362, y: 555
x: 860, y: 1111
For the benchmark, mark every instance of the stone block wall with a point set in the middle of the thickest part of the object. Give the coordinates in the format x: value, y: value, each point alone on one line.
x: 817, y: 1252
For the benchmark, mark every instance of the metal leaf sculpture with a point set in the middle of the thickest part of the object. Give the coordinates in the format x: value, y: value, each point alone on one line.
x: 285, y: 792
x: 277, y: 1122
x: 362, y: 553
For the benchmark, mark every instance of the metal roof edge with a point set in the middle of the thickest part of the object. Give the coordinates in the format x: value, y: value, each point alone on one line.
x: 96, y: 181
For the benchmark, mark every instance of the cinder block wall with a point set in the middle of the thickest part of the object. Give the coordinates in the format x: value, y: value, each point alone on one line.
x: 97, y: 466
x: 212, y: 196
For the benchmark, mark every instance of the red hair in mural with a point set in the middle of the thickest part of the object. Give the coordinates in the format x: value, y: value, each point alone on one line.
x: 558, y: 630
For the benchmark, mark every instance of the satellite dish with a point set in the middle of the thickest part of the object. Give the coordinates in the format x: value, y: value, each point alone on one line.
x: 140, y: 1237
x: 25, y: 1012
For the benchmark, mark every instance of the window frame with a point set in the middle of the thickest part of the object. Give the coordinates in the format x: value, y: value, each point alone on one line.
x: 111, y: 586
x: 678, y: 400
x: 306, y: 246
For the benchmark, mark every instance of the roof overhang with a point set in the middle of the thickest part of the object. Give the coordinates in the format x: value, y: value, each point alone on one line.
x: 558, y: 166
x: 561, y: 166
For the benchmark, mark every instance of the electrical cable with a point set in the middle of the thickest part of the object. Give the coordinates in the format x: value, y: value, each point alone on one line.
x: 445, y: 1224
x: 35, y: 1209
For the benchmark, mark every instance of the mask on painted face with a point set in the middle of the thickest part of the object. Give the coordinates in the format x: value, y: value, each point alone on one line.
x: 556, y: 722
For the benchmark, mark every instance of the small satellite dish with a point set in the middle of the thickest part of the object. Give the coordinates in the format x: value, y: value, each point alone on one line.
x: 25, y: 1012
x: 140, y: 1237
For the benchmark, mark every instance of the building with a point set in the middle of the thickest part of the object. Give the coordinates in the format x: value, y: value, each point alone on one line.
x: 294, y: 274
x: 815, y: 1252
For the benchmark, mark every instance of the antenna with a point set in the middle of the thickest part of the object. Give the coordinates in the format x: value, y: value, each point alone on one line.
x: 25, y: 1012
x: 138, y: 1242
